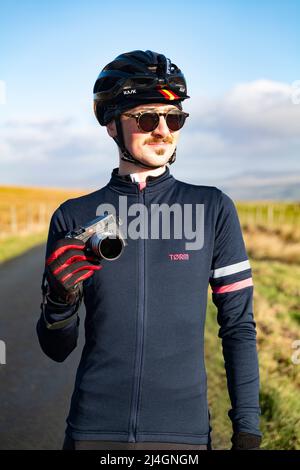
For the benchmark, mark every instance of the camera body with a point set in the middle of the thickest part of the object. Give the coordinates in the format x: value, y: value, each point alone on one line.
x: 102, y: 236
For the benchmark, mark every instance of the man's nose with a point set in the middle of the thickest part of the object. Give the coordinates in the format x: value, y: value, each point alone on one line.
x: 162, y: 128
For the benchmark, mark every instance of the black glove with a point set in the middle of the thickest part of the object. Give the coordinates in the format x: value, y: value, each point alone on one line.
x: 245, y: 441
x: 66, y: 267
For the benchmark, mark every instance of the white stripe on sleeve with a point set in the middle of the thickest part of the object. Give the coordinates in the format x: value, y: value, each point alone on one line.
x: 230, y: 269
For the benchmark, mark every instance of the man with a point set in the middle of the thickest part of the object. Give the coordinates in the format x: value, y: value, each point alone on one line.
x: 141, y: 382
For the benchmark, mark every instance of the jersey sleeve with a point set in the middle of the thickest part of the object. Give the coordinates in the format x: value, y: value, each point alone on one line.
x: 232, y: 292
x: 58, y: 326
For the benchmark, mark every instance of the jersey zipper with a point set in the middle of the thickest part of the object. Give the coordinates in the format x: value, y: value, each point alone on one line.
x: 140, y: 329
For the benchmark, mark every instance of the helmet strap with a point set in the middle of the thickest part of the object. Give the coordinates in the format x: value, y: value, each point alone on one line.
x: 125, y: 154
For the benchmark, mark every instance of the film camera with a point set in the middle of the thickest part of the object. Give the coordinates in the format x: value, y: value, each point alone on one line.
x: 102, y: 236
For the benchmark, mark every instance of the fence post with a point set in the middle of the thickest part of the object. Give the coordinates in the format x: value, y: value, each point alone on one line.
x: 42, y: 215
x: 13, y: 219
x: 29, y: 218
x: 270, y: 215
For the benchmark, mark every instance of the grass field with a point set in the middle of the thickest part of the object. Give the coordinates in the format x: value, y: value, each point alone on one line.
x: 24, y: 211
x: 272, y: 238
x: 274, y: 253
x: 13, y: 246
x: 27, y: 195
x: 277, y: 316
x: 24, y: 216
x: 269, y: 213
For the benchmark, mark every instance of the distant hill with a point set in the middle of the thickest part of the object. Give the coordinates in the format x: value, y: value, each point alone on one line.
x: 262, y: 185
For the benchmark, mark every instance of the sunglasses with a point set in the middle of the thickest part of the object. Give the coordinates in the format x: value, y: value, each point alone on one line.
x: 147, y: 121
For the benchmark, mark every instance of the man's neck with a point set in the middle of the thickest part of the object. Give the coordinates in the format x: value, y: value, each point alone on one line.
x: 140, y: 174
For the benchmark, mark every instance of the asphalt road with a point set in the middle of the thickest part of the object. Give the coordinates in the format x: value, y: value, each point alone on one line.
x: 35, y: 391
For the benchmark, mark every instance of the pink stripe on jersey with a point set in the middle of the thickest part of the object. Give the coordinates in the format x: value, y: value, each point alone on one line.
x: 142, y: 185
x: 234, y: 286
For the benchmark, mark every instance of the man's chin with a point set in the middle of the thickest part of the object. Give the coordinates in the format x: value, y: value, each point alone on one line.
x: 156, y: 159
x: 161, y: 153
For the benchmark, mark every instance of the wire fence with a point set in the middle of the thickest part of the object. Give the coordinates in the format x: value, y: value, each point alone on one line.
x: 20, y: 219
x: 269, y: 214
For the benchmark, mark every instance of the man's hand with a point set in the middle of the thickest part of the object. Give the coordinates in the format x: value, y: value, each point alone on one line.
x: 245, y: 441
x: 66, y: 267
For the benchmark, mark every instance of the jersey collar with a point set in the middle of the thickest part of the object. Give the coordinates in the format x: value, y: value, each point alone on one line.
x: 125, y: 184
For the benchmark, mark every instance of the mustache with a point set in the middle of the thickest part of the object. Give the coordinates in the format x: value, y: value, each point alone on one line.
x: 166, y: 140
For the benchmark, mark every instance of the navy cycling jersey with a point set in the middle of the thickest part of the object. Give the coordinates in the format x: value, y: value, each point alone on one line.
x: 142, y: 373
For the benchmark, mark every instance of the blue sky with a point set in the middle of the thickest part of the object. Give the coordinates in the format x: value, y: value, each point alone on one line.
x: 52, y: 52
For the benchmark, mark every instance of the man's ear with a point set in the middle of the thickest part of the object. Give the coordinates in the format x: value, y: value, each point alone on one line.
x: 111, y: 128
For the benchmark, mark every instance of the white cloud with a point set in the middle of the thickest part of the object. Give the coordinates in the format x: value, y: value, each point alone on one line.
x: 53, y: 152
x: 254, y: 125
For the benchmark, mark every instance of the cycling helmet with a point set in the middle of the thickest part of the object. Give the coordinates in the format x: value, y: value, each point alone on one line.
x: 135, y: 78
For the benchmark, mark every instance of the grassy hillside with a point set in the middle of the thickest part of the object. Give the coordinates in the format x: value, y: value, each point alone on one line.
x: 25, y: 214
x: 277, y: 316
x: 28, y: 195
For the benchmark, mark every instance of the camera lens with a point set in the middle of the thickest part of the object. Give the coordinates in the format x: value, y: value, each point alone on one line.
x: 106, y: 246
x: 110, y: 248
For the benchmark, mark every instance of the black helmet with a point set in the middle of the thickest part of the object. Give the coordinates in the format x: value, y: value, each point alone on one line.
x: 135, y: 78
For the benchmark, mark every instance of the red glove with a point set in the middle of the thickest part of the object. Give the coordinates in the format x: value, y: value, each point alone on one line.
x: 66, y: 267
